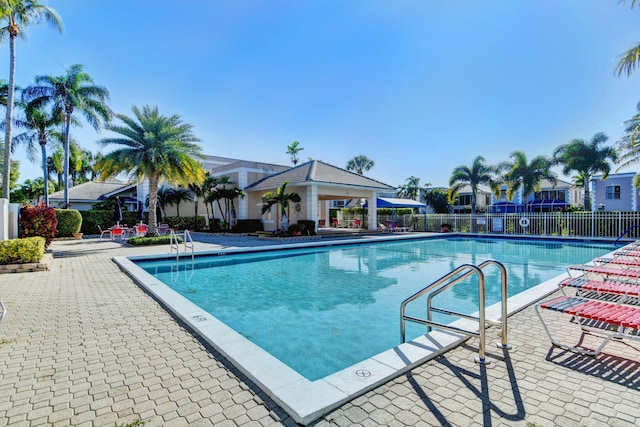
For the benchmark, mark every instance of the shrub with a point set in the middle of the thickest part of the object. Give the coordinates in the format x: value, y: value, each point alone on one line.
x: 185, y: 222
x: 248, y: 226
x: 157, y: 240
x: 21, y: 251
x: 308, y: 228
x: 69, y: 222
x: 38, y: 221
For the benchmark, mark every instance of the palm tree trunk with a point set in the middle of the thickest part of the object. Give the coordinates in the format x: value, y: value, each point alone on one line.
x: 153, y: 202
x: 65, y: 175
x: 587, y: 194
x: 45, y: 173
x: 8, y: 125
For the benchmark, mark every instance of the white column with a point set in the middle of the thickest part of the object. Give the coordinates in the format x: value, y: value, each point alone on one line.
x: 4, y: 219
x: 372, y: 216
x: 14, y: 213
x: 312, y: 204
x: 243, y: 202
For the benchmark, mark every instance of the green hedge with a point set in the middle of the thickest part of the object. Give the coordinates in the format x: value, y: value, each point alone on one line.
x: 185, y: 222
x: 146, y: 241
x: 69, y: 222
x: 22, y: 251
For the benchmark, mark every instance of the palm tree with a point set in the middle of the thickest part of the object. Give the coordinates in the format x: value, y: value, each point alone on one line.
x: 586, y: 158
x: 55, y: 165
x: 628, y: 147
x: 165, y: 198
x: 282, y: 198
x: 40, y: 125
x: 181, y: 194
x: 630, y: 59
x: 17, y: 14
x: 73, y: 91
x: 293, y: 149
x: 411, y: 190
x: 359, y: 164
x: 479, y: 173
x: 155, y: 147
x: 525, y: 175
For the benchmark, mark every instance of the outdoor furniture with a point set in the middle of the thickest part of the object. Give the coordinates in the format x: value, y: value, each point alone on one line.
x: 598, y: 317
x: 163, y: 229
x: 601, y: 287
x: 140, y: 230
x: 103, y: 232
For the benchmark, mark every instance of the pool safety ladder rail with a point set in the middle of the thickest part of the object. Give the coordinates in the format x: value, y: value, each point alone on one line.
x: 186, y: 239
x: 445, y: 282
x: 3, y: 310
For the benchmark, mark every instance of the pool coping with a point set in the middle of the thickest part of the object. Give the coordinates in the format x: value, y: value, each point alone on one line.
x: 301, y: 398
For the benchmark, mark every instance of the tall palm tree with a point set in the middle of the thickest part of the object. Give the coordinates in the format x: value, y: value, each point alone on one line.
x: 40, y: 125
x: 55, y: 165
x: 293, y: 149
x: 628, y: 147
x: 586, y: 158
x: 525, y: 175
x: 72, y: 92
x: 630, y: 59
x: 16, y: 14
x: 155, y: 147
x: 478, y: 174
x: 181, y: 194
x: 165, y: 198
x: 411, y: 190
x: 359, y: 164
x: 282, y: 198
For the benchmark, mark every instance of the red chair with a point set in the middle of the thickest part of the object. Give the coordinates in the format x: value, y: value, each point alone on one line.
x: 103, y: 232
x: 141, y: 230
x: 116, y: 231
x: 356, y: 223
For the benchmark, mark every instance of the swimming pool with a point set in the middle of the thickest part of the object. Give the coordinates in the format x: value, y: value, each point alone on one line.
x: 338, y: 307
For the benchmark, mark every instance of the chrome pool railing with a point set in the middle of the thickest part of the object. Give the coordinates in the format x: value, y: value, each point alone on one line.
x: 445, y: 282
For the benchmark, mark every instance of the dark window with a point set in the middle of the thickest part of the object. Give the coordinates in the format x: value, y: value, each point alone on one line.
x: 613, y: 192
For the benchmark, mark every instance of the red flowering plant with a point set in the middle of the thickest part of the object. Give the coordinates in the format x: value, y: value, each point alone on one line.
x: 38, y: 221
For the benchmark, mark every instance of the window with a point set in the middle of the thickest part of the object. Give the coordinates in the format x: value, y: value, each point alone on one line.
x: 613, y: 192
x: 464, y: 199
x: 551, y: 194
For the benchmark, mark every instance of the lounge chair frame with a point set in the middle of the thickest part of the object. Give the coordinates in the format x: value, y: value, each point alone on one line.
x: 596, y: 317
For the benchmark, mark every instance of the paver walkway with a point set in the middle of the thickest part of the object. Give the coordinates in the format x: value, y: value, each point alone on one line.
x: 82, y: 345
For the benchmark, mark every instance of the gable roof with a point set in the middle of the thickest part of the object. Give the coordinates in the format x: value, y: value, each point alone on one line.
x: 93, y: 190
x: 318, y: 172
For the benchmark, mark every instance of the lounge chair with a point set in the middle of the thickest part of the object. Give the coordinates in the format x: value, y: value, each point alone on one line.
x: 622, y: 260
x: 599, y: 317
x: 584, y: 286
x: 103, y: 232
x: 606, y: 271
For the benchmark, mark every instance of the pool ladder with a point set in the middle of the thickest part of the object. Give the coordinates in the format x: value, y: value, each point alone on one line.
x: 186, y: 239
x: 445, y: 282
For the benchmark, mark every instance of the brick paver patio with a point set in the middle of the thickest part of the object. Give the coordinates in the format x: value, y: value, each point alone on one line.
x: 83, y: 345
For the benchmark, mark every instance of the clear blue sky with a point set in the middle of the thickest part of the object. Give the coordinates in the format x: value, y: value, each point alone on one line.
x: 418, y: 86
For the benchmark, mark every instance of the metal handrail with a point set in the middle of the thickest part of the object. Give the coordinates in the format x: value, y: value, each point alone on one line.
x: 625, y: 232
x: 186, y: 239
x: 445, y: 282
x: 4, y: 310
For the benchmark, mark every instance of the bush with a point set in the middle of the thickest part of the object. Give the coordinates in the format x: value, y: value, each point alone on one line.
x: 185, y: 222
x: 158, y: 240
x: 21, y: 251
x: 69, y: 222
x: 248, y: 226
x: 38, y: 221
x: 308, y: 228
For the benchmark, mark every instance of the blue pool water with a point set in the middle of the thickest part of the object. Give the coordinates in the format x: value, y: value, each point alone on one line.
x: 322, y: 309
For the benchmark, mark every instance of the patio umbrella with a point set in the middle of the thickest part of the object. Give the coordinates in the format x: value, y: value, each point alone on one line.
x: 140, y: 211
x: 117, y: 211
